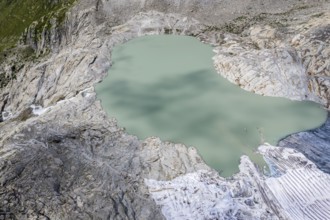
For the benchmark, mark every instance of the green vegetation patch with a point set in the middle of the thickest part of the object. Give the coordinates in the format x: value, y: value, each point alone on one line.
x: 17, y: 15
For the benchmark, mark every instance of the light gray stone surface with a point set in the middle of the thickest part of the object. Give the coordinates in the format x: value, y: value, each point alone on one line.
x: 291, y: 61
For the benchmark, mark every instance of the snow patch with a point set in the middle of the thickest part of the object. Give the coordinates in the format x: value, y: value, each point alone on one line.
x: 206, y: 195
x: 38, y: 109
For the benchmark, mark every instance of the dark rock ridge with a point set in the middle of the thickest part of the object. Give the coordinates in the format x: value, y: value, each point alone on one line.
x: 61, y: 157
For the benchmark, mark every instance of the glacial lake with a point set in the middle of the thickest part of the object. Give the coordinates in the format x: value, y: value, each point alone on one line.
x: 166, y: 86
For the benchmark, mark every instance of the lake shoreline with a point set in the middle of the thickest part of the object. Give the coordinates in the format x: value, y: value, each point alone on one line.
x: 62, y: 157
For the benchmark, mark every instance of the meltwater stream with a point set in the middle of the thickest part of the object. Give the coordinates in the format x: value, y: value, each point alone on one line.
x: 166, y: 86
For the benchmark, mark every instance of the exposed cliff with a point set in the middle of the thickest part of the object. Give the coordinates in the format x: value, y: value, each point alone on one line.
x: 61, y: 157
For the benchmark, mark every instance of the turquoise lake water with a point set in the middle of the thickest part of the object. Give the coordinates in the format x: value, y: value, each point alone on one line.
x: 166, y: 86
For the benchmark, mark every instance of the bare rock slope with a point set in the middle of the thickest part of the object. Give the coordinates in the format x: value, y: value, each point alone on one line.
x: 61, y: 157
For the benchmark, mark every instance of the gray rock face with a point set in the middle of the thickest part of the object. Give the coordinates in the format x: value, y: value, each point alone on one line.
x: 65, y: 170
x: 289, y: 62
x: 61, y: 157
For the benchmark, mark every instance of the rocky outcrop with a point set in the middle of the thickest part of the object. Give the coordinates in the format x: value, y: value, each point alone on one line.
x: 85, y: 166
x: 290, y: 61
x: 61, y: 157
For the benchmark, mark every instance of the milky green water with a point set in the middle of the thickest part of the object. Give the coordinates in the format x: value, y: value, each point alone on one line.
x: 166, y: 86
